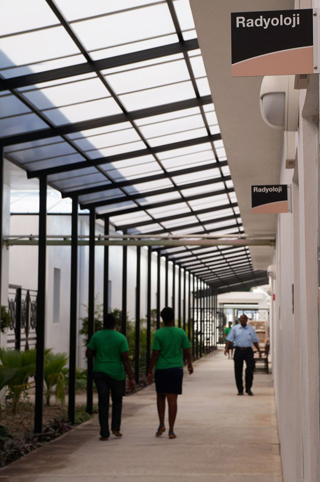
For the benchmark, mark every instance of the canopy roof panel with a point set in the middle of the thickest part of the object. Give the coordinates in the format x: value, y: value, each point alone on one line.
x: 110, y: 100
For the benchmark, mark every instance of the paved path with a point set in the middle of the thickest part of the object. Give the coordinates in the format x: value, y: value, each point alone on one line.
x: 221, y: 438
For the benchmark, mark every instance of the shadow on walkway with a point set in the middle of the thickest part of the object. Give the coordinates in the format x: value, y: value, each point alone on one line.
x: 220, y: 438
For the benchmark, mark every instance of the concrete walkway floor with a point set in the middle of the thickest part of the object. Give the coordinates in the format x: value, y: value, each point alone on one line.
x: 220, y: 438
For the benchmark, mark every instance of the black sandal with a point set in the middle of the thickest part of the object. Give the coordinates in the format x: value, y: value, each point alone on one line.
x: 160, y: 430
x: 172, y: 435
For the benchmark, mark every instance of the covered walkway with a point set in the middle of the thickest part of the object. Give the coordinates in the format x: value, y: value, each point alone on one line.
x: 221, y: 437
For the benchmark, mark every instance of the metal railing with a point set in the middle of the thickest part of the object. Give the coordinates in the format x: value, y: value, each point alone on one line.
x: 22, y: 307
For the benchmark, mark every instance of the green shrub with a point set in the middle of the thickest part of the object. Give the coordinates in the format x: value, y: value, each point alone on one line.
x: 54, y: 376
x: 5, y: 319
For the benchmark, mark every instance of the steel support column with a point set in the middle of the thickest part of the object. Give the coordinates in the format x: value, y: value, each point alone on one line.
x: 1, y: 218
x: 106, y: 300
x: 179, y: 298
x: 201, y: 318
x: 18, y: 319
x: 166, y: 302
x: 174, y: 288
x: 158, y: 289
x: 124, y: 288
x: 184, y: 311
x: 149, y: 308
x: 73, y: 311
x: 92, y: 227
x: 197, y: 316
x: 189, y: 305
x: 41, y: 299
x: 137, y: 333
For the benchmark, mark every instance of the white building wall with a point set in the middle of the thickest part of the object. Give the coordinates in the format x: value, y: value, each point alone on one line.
x: 295, y: 317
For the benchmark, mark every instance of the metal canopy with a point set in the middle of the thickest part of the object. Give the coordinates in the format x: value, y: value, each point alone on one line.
x: 110, y: 101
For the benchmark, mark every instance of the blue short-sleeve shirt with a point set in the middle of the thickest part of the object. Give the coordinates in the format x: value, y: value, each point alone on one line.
x: 243, y: 337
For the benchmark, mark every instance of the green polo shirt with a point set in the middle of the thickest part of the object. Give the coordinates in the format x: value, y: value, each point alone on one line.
x: 108, y: 346
x: 170, y: 341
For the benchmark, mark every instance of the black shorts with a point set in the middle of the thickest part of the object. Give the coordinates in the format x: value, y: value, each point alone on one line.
x: 169, y: 380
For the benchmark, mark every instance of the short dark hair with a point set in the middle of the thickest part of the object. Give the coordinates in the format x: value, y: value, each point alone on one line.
x: 109, y: 322
x: 167, y: 314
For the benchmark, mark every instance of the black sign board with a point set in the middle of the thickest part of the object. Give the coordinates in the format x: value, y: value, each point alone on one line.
x: 278, y: 42
x: 270, y: 199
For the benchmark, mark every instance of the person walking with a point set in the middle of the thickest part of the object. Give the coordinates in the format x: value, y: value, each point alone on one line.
x: 243, y: 336
x: 226, y: 333
x: 170, y: 346
x: 110, y: 351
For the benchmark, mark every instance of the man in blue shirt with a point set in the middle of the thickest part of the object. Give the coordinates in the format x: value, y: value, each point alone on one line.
x: 243, y: 336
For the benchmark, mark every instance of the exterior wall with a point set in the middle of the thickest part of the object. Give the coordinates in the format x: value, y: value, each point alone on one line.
x: 23, y: 272
x: 295, y: 318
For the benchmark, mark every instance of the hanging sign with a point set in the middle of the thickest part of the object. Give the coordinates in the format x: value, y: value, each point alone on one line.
x: 270, y: 199
x: 278, y: 42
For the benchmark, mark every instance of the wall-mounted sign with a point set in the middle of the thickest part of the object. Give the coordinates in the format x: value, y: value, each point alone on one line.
x: 270, y: 199
x: 276, y: 42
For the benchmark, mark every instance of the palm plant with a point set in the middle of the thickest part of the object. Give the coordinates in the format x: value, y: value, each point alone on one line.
x: 17, y: 367
x: 55, y: 371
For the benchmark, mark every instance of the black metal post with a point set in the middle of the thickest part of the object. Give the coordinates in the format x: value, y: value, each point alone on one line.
x: 1, y: 218
x: 167, y: 282
x: 137, y: 340
x: 149, y: 308
x: 18, y: 319
x: 124, y: 288
x: 197, y: 316
x: 184, y: 300
x: 73, y: 310
x: 27, y: 328
x: 106, y: 300
x: 41, y: 302
x: 174, y: 288
x: 189, y: 305
x: 201, y: 318
x: 179, y: 297
x: 92, y: 228
x: 158, y: 289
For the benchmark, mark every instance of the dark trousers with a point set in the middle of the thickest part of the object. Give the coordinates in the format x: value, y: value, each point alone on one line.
x: 239, y: 357
x: 104, y: 385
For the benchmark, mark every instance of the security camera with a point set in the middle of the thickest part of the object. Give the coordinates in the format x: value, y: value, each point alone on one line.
x: 279, y: 102
x: 272, y: 271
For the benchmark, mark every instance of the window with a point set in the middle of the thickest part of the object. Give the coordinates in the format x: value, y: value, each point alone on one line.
x: 56, y: 295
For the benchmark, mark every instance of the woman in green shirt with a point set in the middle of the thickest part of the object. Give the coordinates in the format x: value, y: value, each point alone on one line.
x: 110, y: 351
x: 168, y: 346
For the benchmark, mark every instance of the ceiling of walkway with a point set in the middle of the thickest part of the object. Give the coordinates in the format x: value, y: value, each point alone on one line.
x: 110, y: 100
x: 254, y: 149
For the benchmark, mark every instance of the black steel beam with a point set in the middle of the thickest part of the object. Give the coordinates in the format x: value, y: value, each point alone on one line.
x: 78, y: 166
x: 147, y: 179
x: 149, y: 280
x: 201, y: 265
x: 41, y: 302
x: 246, y: 284
x: 73, y: 312
x: 198, y: 224
x: 104, y: 121
x: 91, y: 273
x: 137, y: 327
x: 143, y: 195
x: 176, y: 216
x: 189, y: 305
x: 209, y: 262
x: 103, y: 64
x: 106, y: 300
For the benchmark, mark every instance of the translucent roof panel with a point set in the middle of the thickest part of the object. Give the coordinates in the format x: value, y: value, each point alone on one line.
x: 81, y: 112
x: 10, y: 126
x: 36, y: 46
x: 43, y: 152
x: 21, y: 15
x: 179, y: 137
x: 11, y: 106
x: 77, y: 9
x: 158, y: 96
x: 125, y: 27
x: 149, y: 186
x: 148, y: 77
x: 42, y: 66
x: 120, y: 148
x: 106, y: 140
x: 184, y: 13
x: 67, y: 94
